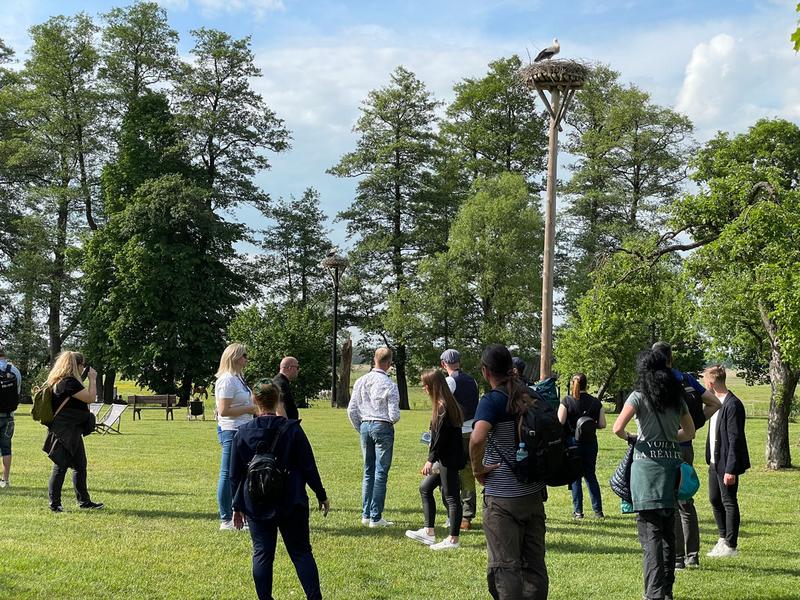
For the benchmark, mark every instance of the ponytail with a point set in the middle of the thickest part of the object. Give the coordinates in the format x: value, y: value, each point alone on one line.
x: 577, y: 385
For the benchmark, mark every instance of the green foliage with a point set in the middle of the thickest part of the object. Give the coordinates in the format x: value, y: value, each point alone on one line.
x: 796, y: 35
x: 173, y: 293
x: 295, y: 246
x: 487, y: 286
x: 228, y: 125
x: 272, y: 332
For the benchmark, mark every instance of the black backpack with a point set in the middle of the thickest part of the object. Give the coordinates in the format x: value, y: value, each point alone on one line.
x: 550, y: 459
x: 694, y: 402
x: 9, y: 393
x: 585, y: 426
x: 267, y: 473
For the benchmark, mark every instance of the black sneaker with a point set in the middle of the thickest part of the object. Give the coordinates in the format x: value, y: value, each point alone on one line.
x: 56, y: 508
x: 91, y: 505
x: 577, y: 516
x: 692, y: 561
x: 598, y: 514
x: 680, y: 565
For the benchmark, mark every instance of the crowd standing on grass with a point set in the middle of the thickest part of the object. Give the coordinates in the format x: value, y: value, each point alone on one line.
x: 10, y: 390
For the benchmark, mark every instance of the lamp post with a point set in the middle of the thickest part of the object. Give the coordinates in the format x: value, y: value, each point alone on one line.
x: 335, y: 265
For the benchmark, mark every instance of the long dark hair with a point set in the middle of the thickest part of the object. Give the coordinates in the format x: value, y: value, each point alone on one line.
x: 497, y: 360
x: 441, y: 396
x: 656, y: 382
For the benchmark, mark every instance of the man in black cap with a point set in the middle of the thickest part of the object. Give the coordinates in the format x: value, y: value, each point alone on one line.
x: 465, y: 390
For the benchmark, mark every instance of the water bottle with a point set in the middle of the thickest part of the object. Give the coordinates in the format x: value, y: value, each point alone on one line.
x: 522, y: 453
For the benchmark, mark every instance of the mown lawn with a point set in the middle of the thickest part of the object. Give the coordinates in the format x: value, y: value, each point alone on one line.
x: 159, y: 538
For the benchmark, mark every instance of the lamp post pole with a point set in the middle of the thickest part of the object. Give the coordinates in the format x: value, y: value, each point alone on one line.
x: 335, y: 266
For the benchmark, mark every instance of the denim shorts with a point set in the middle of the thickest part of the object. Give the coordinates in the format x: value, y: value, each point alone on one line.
x: 6, y: 433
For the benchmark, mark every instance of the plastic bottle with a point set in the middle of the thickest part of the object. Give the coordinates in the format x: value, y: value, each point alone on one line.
x: 522, y: 452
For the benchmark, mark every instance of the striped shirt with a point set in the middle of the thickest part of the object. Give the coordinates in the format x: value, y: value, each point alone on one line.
x: 502, y: 438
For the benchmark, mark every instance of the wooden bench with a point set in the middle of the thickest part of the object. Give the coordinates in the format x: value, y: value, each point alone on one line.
x: 164, y: 402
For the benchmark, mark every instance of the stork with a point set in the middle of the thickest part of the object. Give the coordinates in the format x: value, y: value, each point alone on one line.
x: 548, y: 52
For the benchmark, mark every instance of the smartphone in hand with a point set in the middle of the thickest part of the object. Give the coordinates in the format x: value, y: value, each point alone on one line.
x: 85, y: 373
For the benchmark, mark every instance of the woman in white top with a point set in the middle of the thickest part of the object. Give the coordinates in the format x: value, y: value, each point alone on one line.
x: 234, y: 408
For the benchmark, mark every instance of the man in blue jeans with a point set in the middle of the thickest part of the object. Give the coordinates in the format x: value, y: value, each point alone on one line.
x: 373, y: 410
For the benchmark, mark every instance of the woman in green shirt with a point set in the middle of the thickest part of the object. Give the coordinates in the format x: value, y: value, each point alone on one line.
x: 662, y: 421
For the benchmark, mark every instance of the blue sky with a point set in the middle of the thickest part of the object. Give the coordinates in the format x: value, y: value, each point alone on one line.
x: 725, y: 64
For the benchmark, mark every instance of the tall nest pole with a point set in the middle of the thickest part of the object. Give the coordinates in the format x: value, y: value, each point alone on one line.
x: 562, y: 78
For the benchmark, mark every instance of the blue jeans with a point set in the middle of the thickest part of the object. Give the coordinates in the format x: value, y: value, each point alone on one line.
x: 588, y: 454
x: 295, y: 534
x: 377, y: 442
x: 224, y: 490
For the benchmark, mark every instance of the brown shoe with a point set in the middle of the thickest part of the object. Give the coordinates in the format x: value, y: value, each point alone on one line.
x: 465, y: 524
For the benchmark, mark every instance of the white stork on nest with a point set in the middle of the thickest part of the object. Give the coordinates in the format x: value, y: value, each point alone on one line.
x: 548, y: 52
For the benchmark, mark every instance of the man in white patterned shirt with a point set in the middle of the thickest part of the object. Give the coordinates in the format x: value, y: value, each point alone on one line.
x: 373, y: 410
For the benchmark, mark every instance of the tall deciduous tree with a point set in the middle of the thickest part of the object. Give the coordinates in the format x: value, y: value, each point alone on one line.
x: 295, y: 246
x: 393, y: 159
x: 139, y: 50
x: 229, y: 126
x: 746, y: 217
x: 631, y: 163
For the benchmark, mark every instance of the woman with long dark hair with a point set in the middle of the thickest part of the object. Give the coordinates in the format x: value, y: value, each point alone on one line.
x: 71, y: 422
x: 662, y: 420
x: 513, y: 512
x: 446, y: 449
x: 581, y: 407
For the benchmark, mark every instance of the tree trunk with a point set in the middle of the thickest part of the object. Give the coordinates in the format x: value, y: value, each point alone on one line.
x: 108, y: 385
x: 185, y: 390
x: 783, y: 382
x: 343, y: 385
x: 402, y: 382
x: 619, y: 401
x: 604, y: 386
x: 57, y: 279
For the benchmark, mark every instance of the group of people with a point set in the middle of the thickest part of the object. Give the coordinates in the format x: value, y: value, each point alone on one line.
x: 470, y: 439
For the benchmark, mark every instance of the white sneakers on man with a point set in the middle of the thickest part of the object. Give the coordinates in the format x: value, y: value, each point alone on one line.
x: 445, y: 544
x: 723, y: 550
x: 381, y: 523
x: 421, y: 535
x: 226, y: 525
x: 365, y: 521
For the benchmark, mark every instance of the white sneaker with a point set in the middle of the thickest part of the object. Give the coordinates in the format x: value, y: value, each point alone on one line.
x: 226, y: 525
x: 381, y: 523
x: 421, y: 535
x: 4, y: 483
x: 365, y: 520
x: 726, y: 551
x: 447, y: 522
x: 445, y: 544
x: 715, y: 550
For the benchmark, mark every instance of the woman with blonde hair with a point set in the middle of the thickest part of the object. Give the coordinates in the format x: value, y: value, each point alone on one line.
x: 72, y: 420
x: 446, y: 449
x: 287, y: 509
x: 234, y: 409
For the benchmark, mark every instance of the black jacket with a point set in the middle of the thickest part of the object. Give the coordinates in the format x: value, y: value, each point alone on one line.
x: 730, y: 455
x: 447, y: 445
x: 286, y: 395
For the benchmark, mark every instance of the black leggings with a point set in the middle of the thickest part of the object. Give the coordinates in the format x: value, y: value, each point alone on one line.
x: 451, y: 492
x: 78, y: 478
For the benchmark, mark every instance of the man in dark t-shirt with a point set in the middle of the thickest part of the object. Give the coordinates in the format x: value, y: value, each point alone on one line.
x: 289, y: 370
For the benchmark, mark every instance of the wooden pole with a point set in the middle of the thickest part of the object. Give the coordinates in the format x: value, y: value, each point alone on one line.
x: 549, y: 239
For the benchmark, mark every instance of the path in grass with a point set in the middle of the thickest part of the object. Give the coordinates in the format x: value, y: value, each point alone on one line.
x: 158, y: 537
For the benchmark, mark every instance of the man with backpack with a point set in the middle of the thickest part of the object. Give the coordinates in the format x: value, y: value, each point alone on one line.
x: 702, y: 404
x: 10, y: 389
x: 465, y: 391
x: 513, y: 510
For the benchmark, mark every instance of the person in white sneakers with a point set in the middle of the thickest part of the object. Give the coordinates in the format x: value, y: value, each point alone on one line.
x: 447, y: 451
x: 727, y: 457
x: 373, y: 410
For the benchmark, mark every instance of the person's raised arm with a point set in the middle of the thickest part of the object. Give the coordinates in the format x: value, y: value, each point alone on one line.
x: 88, y: 395
x: 711, y: 403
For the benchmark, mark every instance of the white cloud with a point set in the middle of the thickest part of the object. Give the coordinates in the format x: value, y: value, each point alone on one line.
x: 710, y: 79
x: 257, y: 8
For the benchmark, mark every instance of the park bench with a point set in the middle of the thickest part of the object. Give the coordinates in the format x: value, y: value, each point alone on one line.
x: 164, y: 402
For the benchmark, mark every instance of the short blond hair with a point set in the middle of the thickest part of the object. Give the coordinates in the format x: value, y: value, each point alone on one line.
x: 66, y: 365
x: 716, y: 373
x: 383, y: 356
x: 228, y: 362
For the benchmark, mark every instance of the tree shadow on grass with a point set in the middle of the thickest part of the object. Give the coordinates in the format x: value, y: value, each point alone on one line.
x: 135, y: 492
x: 165, y: 514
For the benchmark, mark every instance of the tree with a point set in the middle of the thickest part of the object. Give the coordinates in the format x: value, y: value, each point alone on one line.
x: 227, y: 124
x: 295, y: 245
x: 273, y: 331
x: 174, y: 293
x: 139, y: 50
x: 631, y: 164
x: 745, y: 219
x: 393, y: 158
x: 487, y: 286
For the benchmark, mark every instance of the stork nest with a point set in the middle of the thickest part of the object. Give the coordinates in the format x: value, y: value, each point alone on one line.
x: 558, y: 73
x: 332, y: 262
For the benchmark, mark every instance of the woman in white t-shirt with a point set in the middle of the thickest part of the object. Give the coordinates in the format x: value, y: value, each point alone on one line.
x: 234, y: 408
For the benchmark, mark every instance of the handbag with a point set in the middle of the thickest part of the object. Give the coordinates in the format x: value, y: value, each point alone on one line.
x: 621, y: 478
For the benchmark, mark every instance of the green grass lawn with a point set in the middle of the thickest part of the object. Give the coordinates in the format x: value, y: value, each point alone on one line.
x: 159, y: 537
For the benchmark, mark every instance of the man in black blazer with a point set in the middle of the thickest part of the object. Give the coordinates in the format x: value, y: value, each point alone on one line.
x: 289, y: 370
x: 727, y: 458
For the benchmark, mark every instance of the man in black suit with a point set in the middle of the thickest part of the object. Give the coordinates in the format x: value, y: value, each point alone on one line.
x: 727, y: 458
x: 289, y: 370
